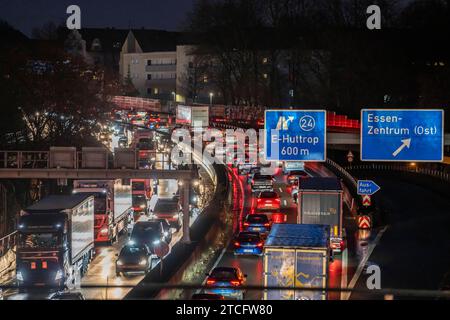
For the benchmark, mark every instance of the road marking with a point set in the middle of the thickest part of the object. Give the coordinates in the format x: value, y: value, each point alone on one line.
x: 344, y: 270
x: 346, y: 295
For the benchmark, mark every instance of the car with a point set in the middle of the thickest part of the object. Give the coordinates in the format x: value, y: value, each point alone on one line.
x: 274, y: 216
x: 133, y: 258
x: 261, y: 182
x: 145, y: 144
x: 139, y: 203
x: 295, y: 175
x: 257, y: 222
x: 167, y: 229
x: 268, y: 200
x: 207, y: 296
x: 149, y: 233
x: 168, y: 209
x: 251, y: 174
x: 248, y: 243
x: 226, y: 281
x: 123, y: 142
x: 67, y: 295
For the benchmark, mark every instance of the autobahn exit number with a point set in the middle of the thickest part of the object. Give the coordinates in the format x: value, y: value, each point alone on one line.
x: 295, y: 135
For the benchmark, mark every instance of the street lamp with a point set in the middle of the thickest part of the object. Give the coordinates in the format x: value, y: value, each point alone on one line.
x: 174, y: 96
x: 211, y: 95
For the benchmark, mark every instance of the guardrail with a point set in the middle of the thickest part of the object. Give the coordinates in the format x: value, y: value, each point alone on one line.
x: 444, y: 176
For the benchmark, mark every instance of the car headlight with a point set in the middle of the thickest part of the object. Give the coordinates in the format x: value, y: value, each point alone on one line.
x: 58, y: 275
x: 104, y: 231
x: 19, y: 276
x: 142, y: 206
x: 143, y: 262
x: 175, y: 216
x: 156, y: 242
x: 119, y: 262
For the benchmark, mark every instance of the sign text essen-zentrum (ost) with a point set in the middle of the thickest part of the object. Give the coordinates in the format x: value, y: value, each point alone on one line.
x: 402, y: 135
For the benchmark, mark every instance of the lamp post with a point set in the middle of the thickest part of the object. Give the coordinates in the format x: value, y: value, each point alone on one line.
x: 211, y: 95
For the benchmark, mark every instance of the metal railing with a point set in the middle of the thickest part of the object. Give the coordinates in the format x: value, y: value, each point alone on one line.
x: 444, y: 176
x: 7, y: 242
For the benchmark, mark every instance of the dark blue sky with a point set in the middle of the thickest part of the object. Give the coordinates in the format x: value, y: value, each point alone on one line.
x: 151, y: 14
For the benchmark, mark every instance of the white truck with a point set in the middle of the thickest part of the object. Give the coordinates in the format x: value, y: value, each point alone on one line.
x: 112, y: 205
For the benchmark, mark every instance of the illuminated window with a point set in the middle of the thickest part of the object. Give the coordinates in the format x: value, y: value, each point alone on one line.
x: 205, y: 78
x: 265, y: 60
x: 265, y: 75
x: 155, y: 91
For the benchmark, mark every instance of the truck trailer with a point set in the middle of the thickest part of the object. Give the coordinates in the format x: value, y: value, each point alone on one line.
x: 320, y: 202
x: 113, y: 206
x: 296, y: 256
x: 56, y: 241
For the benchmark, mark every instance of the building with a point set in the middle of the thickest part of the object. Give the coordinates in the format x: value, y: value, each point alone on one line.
x: 149, y: 60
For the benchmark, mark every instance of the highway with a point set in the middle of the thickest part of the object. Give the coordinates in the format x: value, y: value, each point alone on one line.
x: 102, y: 268
x: 414, y: 250
x: 341, y: 270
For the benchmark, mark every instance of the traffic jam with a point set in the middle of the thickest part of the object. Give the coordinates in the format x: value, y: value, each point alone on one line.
x: 137, y: 222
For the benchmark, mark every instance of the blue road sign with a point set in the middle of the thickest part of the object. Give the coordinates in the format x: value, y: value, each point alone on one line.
x: 402, y: 135
x: 367, y: 187
x: 295, y: 135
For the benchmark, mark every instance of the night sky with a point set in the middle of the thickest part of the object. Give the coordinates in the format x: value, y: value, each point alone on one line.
x: 151, y: 14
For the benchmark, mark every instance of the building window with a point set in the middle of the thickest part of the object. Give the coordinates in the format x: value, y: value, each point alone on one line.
x: 156, y: 91
x: 265, y: 75
x: 265, y: 60
x: 205, y: 78
x: 149, y: 62
x: 149, y: 90
x: 149, y: 76
x: 191, y: 65
x: 191, y: 80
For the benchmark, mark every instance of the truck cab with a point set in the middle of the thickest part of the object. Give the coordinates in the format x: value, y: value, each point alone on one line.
x: 55, y: 241
x: 112, y: 205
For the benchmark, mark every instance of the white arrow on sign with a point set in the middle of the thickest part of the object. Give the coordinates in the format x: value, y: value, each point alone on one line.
x: 405, y: 143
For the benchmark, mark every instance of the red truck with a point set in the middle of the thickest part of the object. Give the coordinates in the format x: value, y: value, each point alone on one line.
x: 112, y: 206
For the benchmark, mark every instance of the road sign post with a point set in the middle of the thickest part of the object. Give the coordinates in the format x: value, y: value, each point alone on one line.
x: 402, y: 135
x: 295, y: 135
x: 367, y: 187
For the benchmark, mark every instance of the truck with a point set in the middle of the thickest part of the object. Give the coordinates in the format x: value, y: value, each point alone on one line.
x: 193, y: 116
x: 112, y: 206
x: 296, y: 256
x: 319, y: 201
x: 55, y: 241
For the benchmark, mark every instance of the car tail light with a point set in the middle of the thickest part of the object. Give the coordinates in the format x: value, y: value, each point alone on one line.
x: 258, y: 200
x: 210, y: 281
x: 235, y: 282
x: 277, y: 200
x: 44, y: 264
x: 237, y: 244
x: 33, y: 265
x: 267, y: 224
x: 260, y: 244
x: 246, y: 224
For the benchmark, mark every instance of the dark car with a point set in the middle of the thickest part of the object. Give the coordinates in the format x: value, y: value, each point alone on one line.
x: 248, y: 243
x: 226, y: 281
x: 67, y: 295
x: 295, y: 175
x: 257, y: 222
x: 145, y: 144
x: 123, y: 142
x: 139, y: 203
x: 167, y: 229
x: 133, y: 258
x: 149, y: 233
x: 168, y: 209
x: 207, y: 296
